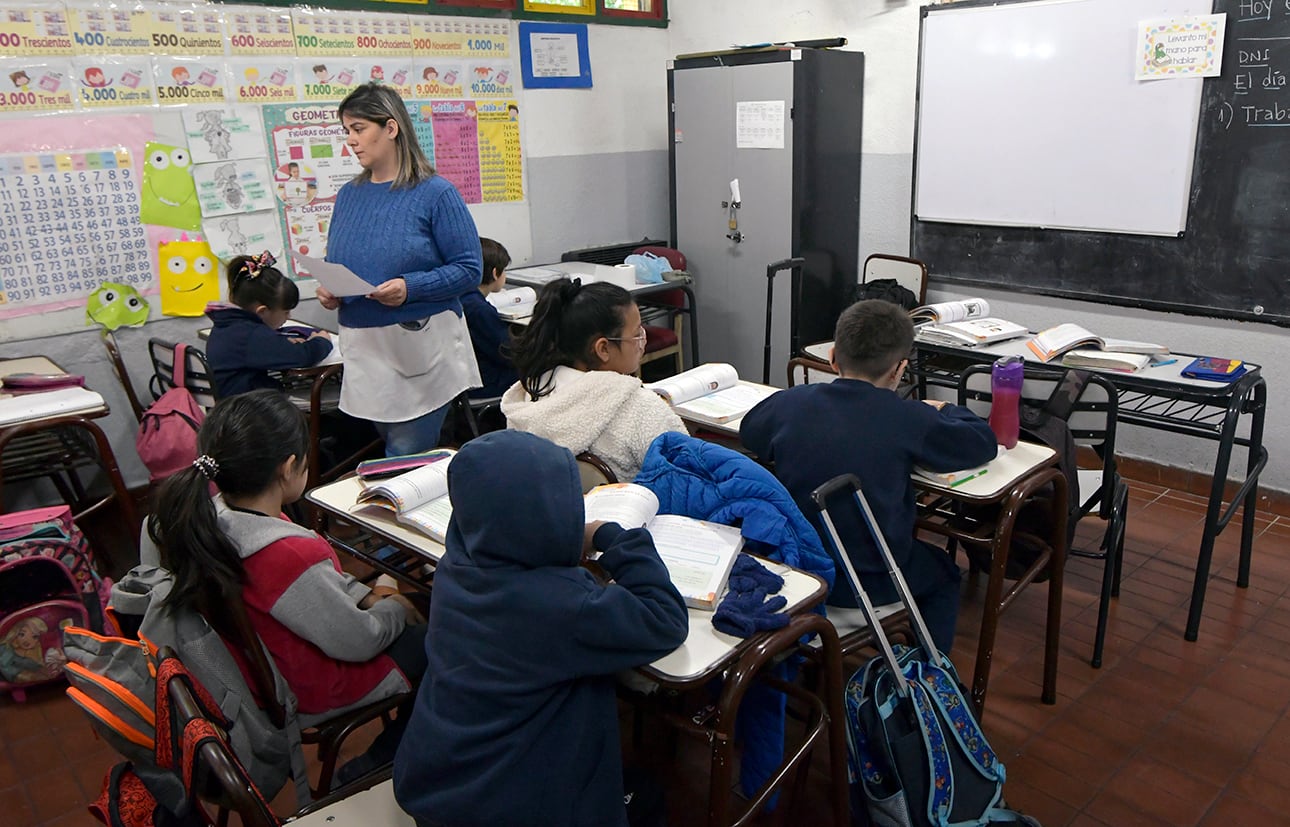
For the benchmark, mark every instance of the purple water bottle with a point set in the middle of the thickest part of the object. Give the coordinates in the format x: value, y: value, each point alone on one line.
x: 1006, y: 377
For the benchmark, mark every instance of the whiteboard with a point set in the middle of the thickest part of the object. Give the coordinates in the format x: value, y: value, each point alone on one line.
x: 1029, y: 115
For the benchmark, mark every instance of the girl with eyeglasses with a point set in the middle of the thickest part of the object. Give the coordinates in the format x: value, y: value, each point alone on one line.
x: 576, y: 362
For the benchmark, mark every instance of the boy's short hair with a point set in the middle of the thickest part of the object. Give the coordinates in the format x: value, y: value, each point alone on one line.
x: 871, y: 337
x: 496, y: 260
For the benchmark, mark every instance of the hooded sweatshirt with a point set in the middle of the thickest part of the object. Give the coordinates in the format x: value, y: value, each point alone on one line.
x: 242, y: 349
x: 305, y: 610
x: 516, y: 721
x: 606, y: 413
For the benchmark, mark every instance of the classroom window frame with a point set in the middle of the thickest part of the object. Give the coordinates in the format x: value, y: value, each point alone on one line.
x: 502, y: 5
x: 656, y: 17
x: 584, y: 9
x: 655, y: 12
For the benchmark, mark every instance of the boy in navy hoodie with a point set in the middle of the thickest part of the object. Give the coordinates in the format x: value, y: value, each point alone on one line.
x: 489, y: 332
x: 859, y: 425
x: 516, y: 721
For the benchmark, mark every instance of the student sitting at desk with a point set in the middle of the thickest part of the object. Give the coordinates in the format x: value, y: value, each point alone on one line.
x: 859, y: 425
x: 576, y: 388
x: 245, y: 343
x: 488, y: 331
x: 336, y: 643
x: 517, y: 722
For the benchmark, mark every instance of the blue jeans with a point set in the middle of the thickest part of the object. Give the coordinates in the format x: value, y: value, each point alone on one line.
x: 414, y: 436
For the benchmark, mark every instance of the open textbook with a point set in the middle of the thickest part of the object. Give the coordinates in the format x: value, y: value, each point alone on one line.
x: 418, y: 498
x: 514, y: 303
x: 1055, y: 341
x: 698, y: 554
x: 1105, y: 360
x: 951, y: 311
x: 710, y: 393
x: 971, y: 332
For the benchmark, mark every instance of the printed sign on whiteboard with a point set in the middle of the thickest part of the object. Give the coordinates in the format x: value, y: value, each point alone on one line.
x: 759, y: 125
x: 1181, y: 47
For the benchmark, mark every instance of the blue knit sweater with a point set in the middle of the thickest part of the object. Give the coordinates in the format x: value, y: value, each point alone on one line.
x: 422, y: 234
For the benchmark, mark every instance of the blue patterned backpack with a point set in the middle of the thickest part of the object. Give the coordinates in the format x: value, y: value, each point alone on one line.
x: 917, y: 755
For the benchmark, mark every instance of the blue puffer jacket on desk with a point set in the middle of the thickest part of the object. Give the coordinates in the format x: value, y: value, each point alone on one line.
x: 711, y: 482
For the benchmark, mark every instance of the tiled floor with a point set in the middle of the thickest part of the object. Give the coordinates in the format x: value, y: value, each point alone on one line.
x: 1166, y: 733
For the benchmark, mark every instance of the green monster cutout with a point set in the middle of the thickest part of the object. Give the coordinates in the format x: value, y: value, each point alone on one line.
x: 169, y: 195
x: 116, y: 305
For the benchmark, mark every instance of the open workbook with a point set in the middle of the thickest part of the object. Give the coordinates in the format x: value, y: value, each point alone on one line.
x: 710, y: 393
x: 418, y: 498
x: 514, y: 303
x: 698, y: 554
x: 1055, y: 341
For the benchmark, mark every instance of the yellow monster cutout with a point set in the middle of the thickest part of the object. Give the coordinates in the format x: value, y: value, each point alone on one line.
x: 189, y: 277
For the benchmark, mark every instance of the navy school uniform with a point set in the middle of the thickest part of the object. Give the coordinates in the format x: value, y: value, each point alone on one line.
x: 242, y: 350
x: 488, y: 332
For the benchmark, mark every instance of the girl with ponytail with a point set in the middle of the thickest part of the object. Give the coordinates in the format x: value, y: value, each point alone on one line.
x: 576, y: 361
x: 336, y: 643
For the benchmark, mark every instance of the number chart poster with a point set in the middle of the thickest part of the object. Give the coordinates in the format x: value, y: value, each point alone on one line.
x: 68, y: 222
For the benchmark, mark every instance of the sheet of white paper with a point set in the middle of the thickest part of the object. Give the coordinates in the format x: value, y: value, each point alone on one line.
x: 337, y: 278
x: 759, y: 125
x: 555, y: 55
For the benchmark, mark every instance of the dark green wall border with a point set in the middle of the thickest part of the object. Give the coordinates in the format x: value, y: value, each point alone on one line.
x: 433, y: 7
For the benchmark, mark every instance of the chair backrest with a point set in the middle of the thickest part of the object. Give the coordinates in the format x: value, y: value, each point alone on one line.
x: 122, y: 374
x: 207, y: 763
x: 807, y: 365
x: 593, y: 471
x: 1092, y: 420
x: 197, y: 376
x: 909, y: 273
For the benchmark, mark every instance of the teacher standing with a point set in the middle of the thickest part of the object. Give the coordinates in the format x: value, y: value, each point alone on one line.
x: 407, y: 232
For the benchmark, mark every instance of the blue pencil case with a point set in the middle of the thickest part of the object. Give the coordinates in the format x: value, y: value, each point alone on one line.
x: 1214, y: 369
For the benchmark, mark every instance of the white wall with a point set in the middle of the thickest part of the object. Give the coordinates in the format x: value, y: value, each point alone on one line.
x: 887, y: 32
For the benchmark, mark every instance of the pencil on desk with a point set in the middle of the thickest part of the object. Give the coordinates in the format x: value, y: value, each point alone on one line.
x: 980, y: 473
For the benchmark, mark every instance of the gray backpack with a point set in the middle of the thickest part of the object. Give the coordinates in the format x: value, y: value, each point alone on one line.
x: 113, y: 679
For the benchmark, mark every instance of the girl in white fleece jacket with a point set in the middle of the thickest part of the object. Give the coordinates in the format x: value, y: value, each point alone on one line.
x: 576, y: 388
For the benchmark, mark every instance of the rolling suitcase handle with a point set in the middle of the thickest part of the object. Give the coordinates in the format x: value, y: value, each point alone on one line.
x: 794, y: 264
x: 820, y: 497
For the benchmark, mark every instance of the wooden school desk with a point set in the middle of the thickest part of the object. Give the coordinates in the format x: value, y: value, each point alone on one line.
x: 1011, y: 479
x: 526, y: 277
x: 1161, y: 398
x: 411, y: 557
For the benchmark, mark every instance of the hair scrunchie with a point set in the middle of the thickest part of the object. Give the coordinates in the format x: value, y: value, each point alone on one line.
x: 569, y: 292
x: 207, y: 465
x: 253, y: 266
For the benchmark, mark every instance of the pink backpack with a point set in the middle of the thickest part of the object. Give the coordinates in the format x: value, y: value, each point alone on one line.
x: 167, y: 439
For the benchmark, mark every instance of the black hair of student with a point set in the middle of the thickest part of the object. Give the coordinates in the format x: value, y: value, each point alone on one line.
x: 871, y: 337
x: 269, y: 288
x: 496, y: 259
x: 247, y: 437
x: 567, y: 320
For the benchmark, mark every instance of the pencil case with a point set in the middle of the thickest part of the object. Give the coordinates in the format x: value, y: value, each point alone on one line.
x: 18, y: 383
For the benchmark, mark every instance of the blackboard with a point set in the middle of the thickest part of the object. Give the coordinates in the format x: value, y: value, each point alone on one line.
x: 1233, y: 258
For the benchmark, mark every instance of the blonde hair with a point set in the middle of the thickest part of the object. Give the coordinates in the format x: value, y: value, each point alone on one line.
x: 41, y: 628
x: 380, y: 104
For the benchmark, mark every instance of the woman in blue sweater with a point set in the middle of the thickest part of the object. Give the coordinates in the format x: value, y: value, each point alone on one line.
x: 407, y: 232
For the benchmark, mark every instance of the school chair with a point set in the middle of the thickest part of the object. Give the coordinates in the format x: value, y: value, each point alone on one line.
x: 481, y: 416
x: 329, y: 734
x: 213, y: 774
x: 1101, y: 489
x: 664, y: 341
x: 122, y: 373
x: 909, y: 273
x: 593, y: 471
x: 197, y: 376
x: 808, y: 365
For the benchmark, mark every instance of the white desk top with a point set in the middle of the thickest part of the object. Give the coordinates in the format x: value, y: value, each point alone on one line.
x: 339, y: 497
x: 1169, y: 373
x: 586, y: 271
x: 373, y: 807
x: 1001, y: 472
x: 704, y: 646
x: 33, y: 407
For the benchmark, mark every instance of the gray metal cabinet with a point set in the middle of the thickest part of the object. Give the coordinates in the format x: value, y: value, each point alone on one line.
x: 798, y: 199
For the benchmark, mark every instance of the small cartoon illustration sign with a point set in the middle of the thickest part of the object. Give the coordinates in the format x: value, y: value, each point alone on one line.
x: 115, y: 305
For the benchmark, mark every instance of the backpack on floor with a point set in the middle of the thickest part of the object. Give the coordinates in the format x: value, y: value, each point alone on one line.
x: 167, y: 438
x: 50, y: 532
x: 38, y: 599
x: 114, y: 679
